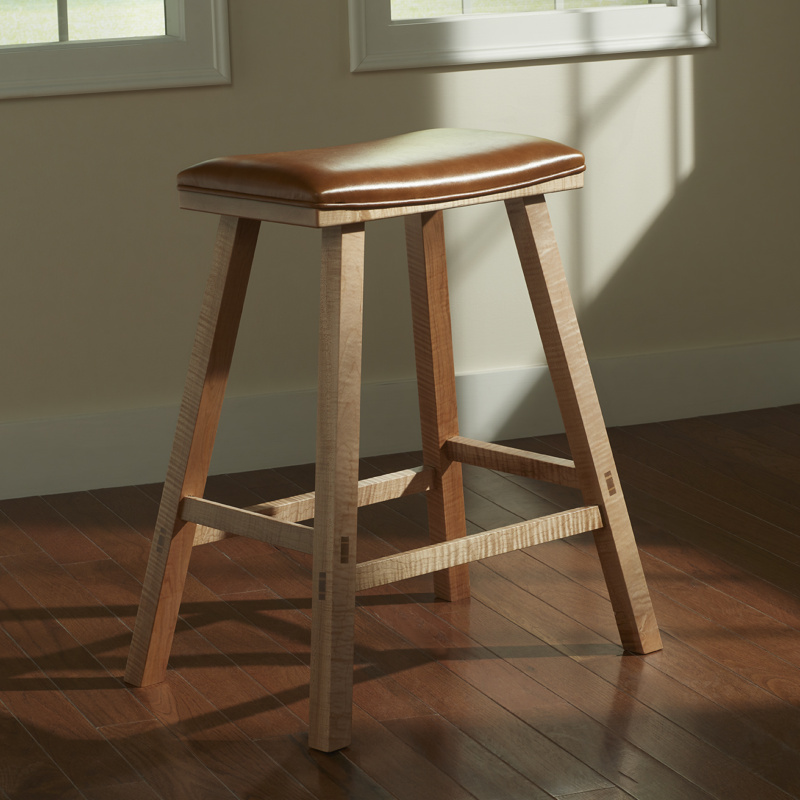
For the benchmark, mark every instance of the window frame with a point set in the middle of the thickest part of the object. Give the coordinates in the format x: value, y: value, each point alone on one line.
x: 376, y: 42
x: 194, y: 52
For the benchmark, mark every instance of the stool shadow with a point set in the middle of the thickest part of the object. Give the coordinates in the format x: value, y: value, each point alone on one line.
x: 13, y: 670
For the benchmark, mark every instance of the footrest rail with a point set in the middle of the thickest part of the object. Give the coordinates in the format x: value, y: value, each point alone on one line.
x: 434, y: 557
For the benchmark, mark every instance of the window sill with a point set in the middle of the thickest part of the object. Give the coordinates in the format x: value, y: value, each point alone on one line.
x: 376, y: 42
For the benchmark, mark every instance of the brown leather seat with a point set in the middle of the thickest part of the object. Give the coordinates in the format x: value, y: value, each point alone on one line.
x: 430, y: 166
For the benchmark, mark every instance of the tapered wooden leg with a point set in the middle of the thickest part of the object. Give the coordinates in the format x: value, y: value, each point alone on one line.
x: 588, y: 440
x: 335, y: 520
x: 191, y: 449
x: 436, y: 383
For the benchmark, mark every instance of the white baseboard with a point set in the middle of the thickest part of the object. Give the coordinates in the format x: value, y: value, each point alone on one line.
x: 116, y: 449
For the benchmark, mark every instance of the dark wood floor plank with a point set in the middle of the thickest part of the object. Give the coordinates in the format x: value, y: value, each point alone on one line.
x: 723, y: 645
x: 380, y: 693
x: 763, y: 428
x: 680, y: 661
x: 50, y: 531
x: 131, y: 505
x: 282, y: 672
x: 105, y: 529
x: 152, y: 490
x: 243, y: 700
x: 741, y: 456
x: 58, y: 727
x: 601, y: 794
x: 470, y: 668
x: 706, y: 535
x: 786, y: 418
x: 112, y: 586
x: 741, y: 618
x: 559, y: 588
x: 27, y: 772
x: 695, y: 547
x: 680, y: 464
x: 471, y: 765
x: 101, y: 697
x: 721, y: 724
x: 747, y: 622
x: 12, y: 539
x: 719, y: 774
x: 566, y: 559
x: 219, y: 573
x: 286, y: 622
x: 166, y: 763
x: 326, y: 775
x: 231, y: 490
x: 747, y: 528
x: 91, y: 624
x: 580, y: 565
x: 220, y: 746
x: 744, y: 523
x: 405, y: 773
x: 140, y: 790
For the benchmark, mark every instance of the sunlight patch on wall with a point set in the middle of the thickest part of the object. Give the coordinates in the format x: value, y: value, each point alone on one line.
x: 638, y: 135
x: 634, y: 120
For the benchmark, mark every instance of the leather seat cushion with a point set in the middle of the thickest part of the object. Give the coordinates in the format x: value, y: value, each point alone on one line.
x: 430, y: 166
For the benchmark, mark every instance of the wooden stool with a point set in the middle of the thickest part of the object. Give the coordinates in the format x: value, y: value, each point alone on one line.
x: 338, y: 189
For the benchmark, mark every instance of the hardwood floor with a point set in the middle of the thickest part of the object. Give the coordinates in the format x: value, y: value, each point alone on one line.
x: 520, y: 692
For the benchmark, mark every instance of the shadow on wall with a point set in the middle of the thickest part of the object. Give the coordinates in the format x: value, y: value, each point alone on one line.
x: 679, y: 263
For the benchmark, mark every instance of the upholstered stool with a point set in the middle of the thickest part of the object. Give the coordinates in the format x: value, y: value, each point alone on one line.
x: 338, y: 189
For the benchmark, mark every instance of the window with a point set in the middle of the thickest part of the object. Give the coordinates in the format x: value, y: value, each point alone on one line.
x: 391, y: 34
x: 52, y: 47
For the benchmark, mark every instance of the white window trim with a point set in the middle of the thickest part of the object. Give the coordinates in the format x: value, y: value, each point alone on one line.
x: 195, y: 52
x: 376, y: 42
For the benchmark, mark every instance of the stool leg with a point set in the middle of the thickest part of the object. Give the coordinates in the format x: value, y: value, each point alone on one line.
x: 191, y: 450
x: 580, y: 409
x: 436, y: 382
x: 335, y: 521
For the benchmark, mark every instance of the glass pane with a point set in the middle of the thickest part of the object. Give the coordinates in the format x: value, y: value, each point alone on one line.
x: 28, y: 21
x: 115, y: 19
x: 606, y: 3
x: 421, y: 9
x: 507, y: 6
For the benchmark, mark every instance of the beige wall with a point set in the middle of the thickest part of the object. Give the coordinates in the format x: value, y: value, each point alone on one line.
x: 685, y: 237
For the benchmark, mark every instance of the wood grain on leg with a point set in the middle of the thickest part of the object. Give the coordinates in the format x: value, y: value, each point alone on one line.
x: 335, y: 521
x: 191, y: 450
x: 436, y: 383
x: 586, y: 432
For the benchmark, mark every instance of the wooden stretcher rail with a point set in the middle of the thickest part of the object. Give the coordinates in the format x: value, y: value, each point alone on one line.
x: 370, y: 490
x: 512, y: 460
x: 477, y: 546
x: 214, y: 519
x: 300, y: 507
